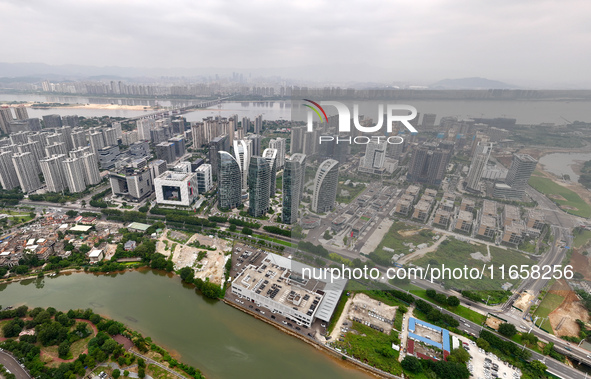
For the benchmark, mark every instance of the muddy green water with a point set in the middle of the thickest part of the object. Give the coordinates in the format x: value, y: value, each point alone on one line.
x: 220, y: 340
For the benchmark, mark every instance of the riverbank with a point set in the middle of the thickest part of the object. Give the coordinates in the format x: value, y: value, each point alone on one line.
x: 332, y: 354
x: 90, y: 106
x: 72, y: 346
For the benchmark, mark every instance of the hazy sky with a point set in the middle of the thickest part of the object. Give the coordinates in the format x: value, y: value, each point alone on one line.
x: 513, y: 41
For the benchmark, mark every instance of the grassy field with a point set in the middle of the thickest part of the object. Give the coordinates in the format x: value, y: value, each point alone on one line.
x: 460, y: 310
x: 371, y: 346
x: 395, y: 240
x: 353, y: 192
x: 569, y: 200
x: 551, y: 302
x: 582, y: 238
x: 456, y: 254
x: 338, y: 311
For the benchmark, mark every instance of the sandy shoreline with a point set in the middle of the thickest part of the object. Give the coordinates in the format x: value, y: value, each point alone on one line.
x: 85, y: 106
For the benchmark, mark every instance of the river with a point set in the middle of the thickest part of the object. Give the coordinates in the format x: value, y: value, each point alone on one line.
x: 562, y: 163
x: 525, y: 111
x: 220, y: 340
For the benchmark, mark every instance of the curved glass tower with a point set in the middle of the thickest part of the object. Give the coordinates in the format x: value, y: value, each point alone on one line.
x: 229, y: 181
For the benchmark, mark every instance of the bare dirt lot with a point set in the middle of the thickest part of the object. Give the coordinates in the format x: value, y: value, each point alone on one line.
x: 211, y: 266
x: 364, y: 308
x: 523, y: 301
x: 563, y: 319
x: 494, y: 322
x: 581, y: 264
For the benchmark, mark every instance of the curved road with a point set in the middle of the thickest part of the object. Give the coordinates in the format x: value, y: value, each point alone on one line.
x: 13, y: 366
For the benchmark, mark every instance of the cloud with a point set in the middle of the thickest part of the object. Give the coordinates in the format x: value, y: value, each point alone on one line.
x: 504, y: 40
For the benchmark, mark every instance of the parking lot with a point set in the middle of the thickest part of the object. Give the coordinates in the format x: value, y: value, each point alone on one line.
x: 484, y: 365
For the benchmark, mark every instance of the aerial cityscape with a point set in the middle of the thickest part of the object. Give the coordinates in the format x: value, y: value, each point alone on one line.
x: 199, y: 192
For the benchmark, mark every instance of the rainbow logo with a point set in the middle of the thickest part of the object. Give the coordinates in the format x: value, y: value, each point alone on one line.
x: 316, y: 110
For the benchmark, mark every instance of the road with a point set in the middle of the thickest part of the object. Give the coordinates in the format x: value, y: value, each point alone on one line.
x: 13, y: 366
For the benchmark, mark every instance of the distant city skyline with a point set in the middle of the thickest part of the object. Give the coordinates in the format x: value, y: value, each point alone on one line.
x: 526, y: 44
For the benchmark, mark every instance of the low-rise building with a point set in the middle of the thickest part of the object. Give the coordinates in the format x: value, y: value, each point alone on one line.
x: 403, y: 207
x: 487, y: 226
x: 489, y: 208
x: 511, y: 214
x: 96, y: 256
x: 464, y: 221
x: 442, y: 217
x: 421, y: 211
x: 513, y: 233
x: 413, y: 191
x: 535, y: 220
x: 287, y: 287
x: 467, y: 205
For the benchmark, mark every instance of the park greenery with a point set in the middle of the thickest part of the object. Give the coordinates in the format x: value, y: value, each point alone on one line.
x: 81, y: 338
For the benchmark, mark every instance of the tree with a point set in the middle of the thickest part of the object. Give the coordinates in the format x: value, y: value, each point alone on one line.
x: 126, y: 373
x: 483, y: 344
x: 538, y: 367
x: 64, y: 350
x: 187, y: 274
x: 12, y: 328
x: 459, y: 355
x: 72, y: 213
x: 548, y: 348
x: 116, y: 373
x: 141, y: 372
x: 412, y: 364
x: 232, y: 227
x: 453, y: 301
x: 508, y: 330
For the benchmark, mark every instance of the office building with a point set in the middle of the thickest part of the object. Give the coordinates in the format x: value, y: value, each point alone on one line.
x: 52, y: 121
x: 374, y: 158
x: 259, y: 183
x: 271, y: 156
x: 53, y: 172
x: 428, y: 120
x: 24, y: 164
x: 108, y: 156
x: 242, y: 152
x: 165, y: 151
x: 216, y: 145
x: 301, y: 158
x: 8, y: 177
x: 131, y: 183
x: 297, y: 140
x: 292, y: 176
x: 325, y: 186
x: 204, y: 178
x: 522, y: 167
x: 179, y: 145
x: 140, y: 149
x: 279, y: 145
x: 428, y: 164
x: 176, y: 188
x: 229, y: 181
x: 157, y: 168
x: 479, y: 161
x: 73, y: 169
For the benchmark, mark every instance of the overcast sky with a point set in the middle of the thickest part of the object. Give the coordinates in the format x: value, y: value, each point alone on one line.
x: 513, y: 41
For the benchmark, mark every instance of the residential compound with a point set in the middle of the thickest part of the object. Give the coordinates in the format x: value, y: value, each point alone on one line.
x: 286, y: 287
